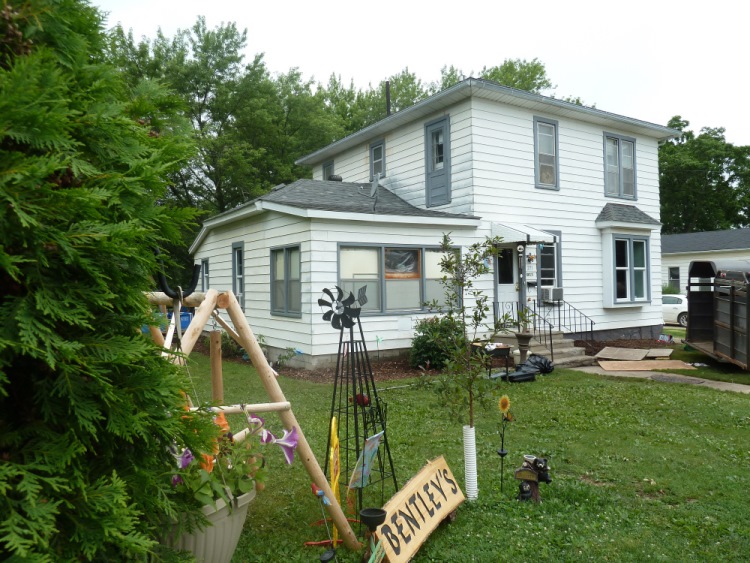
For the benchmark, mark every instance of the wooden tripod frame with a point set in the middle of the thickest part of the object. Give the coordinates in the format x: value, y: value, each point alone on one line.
x: 205, y: 304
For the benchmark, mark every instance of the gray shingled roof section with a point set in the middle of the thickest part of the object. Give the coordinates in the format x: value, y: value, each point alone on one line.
x: 348, y: 197
x: 621, y: 213
x: 732, y: 239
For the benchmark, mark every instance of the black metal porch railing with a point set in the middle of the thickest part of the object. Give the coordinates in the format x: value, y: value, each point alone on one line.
x: 544, y: 318
x: 566, y: 318
x: 514, y: 318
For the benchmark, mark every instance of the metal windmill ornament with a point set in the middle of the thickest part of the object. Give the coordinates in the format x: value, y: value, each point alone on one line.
x: 341, y: 313
x: 360, y: 413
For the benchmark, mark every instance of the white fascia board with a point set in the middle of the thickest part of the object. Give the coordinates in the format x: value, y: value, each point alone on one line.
x: 620, y: 225
x: 223, y: 219
x: 370, y: 217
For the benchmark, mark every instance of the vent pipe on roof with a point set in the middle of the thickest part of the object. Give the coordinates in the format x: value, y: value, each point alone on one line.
x: 387, y: 97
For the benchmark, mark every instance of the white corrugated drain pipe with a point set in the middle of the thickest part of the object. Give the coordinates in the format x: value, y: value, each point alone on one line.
x: 470, y: 462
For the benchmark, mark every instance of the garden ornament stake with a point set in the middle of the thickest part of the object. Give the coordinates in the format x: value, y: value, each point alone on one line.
x: 532, y: 471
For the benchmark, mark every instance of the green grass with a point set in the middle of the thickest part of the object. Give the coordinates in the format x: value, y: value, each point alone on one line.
x: 641, y: 470
x: 713, y: 369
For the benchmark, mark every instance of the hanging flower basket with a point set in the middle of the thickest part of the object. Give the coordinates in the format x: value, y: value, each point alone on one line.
x: 216, y: 543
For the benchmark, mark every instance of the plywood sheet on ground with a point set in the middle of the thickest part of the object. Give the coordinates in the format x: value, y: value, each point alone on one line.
x: 659, y: 353
x: 644, y: 365
x: 613, y: 353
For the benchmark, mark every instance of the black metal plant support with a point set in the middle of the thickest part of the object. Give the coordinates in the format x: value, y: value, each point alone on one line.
x: 502, y: 452
x: 355, y: 402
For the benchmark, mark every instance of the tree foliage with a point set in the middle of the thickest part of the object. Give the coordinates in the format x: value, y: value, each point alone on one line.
x: 88, y: 407
x: 463, y: 382
x: 704, y: 181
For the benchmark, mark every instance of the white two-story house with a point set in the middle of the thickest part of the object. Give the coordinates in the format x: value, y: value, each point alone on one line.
x: 573, y: 192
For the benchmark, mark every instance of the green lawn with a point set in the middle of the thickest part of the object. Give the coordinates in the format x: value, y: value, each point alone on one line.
x: 713, y: 369
x: 641, y: 470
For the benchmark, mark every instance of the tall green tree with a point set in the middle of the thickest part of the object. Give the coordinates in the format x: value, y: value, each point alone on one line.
x: 88, y: 407
x: 521, y: 74
x: 704, y: 181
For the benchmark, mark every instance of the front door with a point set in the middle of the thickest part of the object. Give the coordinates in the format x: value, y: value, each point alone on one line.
x: 507, y: 280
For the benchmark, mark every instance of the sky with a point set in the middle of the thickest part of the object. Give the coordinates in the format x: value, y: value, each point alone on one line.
x: 648, y: 60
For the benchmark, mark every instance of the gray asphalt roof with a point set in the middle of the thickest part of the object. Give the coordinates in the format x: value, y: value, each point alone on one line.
x: 620, y: 212
x: 347, y: 197
x: 731, y: 239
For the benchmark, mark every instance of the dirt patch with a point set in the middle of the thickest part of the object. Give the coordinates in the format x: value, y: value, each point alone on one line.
x: 383, y: 370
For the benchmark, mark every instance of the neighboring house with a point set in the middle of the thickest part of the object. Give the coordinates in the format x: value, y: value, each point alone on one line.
x: 573, y: 191
x: 677, y: 251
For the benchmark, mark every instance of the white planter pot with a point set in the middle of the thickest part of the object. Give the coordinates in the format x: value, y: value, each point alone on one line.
x: 470, y: 463
x: 216, y: 543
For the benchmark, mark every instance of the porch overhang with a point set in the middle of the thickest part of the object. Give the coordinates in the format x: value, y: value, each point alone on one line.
x: 515, y: 233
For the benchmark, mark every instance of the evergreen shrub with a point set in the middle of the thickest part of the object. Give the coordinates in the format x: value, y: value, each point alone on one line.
x: 88, y: 406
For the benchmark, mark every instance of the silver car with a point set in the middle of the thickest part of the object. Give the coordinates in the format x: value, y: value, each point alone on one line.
x: 674, y: 309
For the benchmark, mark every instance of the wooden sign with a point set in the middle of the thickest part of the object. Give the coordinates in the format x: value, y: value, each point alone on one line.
x: 416, y: 510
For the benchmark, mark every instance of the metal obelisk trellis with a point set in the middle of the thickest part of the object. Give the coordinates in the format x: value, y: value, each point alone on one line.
x: 360, y: 413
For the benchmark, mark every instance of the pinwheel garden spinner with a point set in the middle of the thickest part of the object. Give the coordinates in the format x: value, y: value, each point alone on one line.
x: 340, y: 311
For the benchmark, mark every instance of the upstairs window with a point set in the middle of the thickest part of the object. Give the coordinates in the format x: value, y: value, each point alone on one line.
x: 286, y: 287
x: 437, y: 163
x: 546, y: 164
x: 619, y: 164
x: 328, y: 170
x: 377, y: 159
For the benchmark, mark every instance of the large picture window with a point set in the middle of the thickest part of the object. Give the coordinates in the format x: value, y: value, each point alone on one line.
x: 619, y: 164
x: 286, y: 288
x: 397, y: 278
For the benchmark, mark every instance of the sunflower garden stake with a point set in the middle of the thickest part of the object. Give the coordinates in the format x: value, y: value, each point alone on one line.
x: 507, y: 417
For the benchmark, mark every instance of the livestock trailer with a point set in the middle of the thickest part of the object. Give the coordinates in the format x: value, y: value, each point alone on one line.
x: 719, y: 309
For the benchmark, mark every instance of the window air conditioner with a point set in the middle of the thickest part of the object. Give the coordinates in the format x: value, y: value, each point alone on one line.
x: 552, y: 294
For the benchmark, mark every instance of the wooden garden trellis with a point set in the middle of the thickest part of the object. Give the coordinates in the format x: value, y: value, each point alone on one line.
x: 206, y: 303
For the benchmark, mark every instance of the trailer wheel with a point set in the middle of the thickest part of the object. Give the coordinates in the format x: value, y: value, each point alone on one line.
x: 682, y: 319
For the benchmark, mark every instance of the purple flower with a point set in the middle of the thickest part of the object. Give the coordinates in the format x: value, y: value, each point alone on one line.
x: 176, y: 480
x: 287, y: 443
x: 186, y: 458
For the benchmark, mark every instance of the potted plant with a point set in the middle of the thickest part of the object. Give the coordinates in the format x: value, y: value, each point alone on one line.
x: 222, y: 482
x: 524, y: 334
x: 463, y: 382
